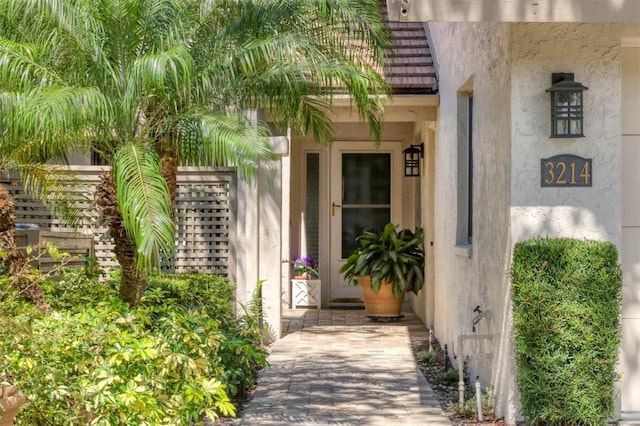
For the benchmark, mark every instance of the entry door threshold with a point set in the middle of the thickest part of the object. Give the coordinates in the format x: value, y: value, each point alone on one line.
x: 346, y: 303
x: 630, y: 418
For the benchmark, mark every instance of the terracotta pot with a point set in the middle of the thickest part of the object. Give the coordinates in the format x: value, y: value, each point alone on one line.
x: 302, y: 277
x: 381, y: 304
x: 10, y: 401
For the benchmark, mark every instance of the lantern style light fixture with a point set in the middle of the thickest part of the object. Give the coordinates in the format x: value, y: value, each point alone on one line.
x: 412, y: 156
x: 567, y: 108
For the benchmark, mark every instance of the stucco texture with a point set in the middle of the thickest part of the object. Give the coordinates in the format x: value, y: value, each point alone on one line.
x: 509, y: 68
x: 475, y: 56
x: 592, y: 53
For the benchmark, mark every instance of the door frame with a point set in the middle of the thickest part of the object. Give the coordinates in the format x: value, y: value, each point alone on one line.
x: 629, y: 398
x: 338, y: 147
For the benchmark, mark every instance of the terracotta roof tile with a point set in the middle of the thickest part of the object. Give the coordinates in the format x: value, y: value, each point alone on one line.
x: 408, y: 64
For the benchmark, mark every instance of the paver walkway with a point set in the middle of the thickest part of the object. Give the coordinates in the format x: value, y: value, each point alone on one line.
x: 337, y: 367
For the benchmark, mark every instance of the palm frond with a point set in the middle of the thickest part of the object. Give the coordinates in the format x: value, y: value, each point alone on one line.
x: 221, y: 139
x: 66, y: 115
x: 124, y: 76
x: 143, y: 198
x: 20, y: 67
x: 166, y: 74
x: 59, y: 189
x: 277, y: 53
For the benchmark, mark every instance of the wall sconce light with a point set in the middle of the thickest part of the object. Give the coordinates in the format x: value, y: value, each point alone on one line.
x: 567, y: 109
x: 412, y: 156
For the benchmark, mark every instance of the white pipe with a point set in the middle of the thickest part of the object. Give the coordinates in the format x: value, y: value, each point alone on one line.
x: 431, y: 340
x: 462, y: 338
x: 479, y: 398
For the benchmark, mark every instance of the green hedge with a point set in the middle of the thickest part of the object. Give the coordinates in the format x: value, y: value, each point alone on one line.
x: 179, y: 355
x: 566, y: 308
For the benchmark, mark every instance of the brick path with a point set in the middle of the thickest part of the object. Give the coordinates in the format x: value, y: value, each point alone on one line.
x: 337, y: 367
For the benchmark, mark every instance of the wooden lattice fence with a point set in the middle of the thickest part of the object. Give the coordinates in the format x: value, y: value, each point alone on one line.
x: 205, y: 216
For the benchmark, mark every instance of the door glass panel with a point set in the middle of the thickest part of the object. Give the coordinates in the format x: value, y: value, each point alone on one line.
x: 356, y: 221
x: 366, y: 196
x: 366, y: 178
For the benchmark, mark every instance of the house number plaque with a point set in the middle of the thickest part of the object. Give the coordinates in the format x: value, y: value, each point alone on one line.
x: 565, y: 170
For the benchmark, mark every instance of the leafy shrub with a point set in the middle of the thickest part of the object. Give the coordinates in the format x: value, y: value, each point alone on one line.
x: 179, y: 355
x: 450, y: 376
x: 390, y: 256
x: 566, y: 308
x: 427, y: 356
x: 213, y: 293
x: 470, y: 407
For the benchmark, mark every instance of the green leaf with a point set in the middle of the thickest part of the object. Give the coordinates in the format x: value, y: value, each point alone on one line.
x: 393, y: 256
x: 143, y: 198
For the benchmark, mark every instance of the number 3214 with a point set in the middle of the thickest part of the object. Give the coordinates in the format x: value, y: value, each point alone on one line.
x: 563, y: 173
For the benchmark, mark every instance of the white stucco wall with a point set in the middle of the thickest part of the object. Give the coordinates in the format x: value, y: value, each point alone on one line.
x: 510, y: 66
x: 481, y: 52
x: 592, y: 52
x: 259, y: 238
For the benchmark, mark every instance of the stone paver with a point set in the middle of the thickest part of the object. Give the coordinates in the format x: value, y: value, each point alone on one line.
x: 337, y: 367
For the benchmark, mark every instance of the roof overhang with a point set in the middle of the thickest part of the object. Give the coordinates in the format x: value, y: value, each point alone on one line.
x: 397, y: 108
x: 514, y: 10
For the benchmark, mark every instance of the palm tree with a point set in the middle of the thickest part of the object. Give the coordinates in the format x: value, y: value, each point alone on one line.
x: 150, y: 84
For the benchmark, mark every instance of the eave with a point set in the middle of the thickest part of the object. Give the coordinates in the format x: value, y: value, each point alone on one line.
x: 514, y: 10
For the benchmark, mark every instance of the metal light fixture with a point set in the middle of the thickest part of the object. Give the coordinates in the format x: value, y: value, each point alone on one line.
x: 412, y: 156
x: 567, y: 109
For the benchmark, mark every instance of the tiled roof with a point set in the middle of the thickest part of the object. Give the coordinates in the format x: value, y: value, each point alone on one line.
x: 409, y: 68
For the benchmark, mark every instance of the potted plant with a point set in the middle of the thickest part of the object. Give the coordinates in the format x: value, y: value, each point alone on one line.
x: 386, y: 265
x: 304, y: 267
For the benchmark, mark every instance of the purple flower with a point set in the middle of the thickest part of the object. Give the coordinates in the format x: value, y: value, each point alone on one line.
x: 304, y: 262
x: 303, y: 265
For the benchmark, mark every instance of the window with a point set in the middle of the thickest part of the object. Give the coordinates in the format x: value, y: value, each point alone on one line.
x: 312, y: 223
x: 464, y: 232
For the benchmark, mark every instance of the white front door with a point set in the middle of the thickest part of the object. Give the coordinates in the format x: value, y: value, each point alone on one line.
x: 365, y: 196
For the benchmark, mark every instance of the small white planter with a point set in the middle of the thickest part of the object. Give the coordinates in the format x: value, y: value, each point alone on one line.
x: 305, y: 293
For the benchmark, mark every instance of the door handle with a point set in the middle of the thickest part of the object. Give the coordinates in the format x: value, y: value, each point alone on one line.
x: 333, y: 208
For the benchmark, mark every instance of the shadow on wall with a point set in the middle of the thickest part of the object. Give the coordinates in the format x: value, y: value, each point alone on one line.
x: 506, y: 404
x: 561, y: 221
x: 630, y: 363
x: 269, y: 334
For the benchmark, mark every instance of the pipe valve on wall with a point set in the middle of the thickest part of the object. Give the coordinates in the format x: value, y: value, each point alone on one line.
x: 479, y: 315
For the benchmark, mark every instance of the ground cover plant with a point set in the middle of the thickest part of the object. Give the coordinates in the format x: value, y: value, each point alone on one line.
x: 430, y: 359
x: 180, y: 356
x: 566, y: 312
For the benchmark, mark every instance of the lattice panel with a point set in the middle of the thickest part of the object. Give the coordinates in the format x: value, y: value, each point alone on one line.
x: 31, y: 211
x: 205, y: 218
x: 204, y: 213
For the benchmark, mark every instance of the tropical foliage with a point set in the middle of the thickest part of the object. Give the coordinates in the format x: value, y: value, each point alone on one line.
x: 149, y: 85
x: 392, y: 257
x: 180, y: 355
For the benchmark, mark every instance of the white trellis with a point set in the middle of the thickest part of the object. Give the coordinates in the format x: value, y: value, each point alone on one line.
x: 205, y: 215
